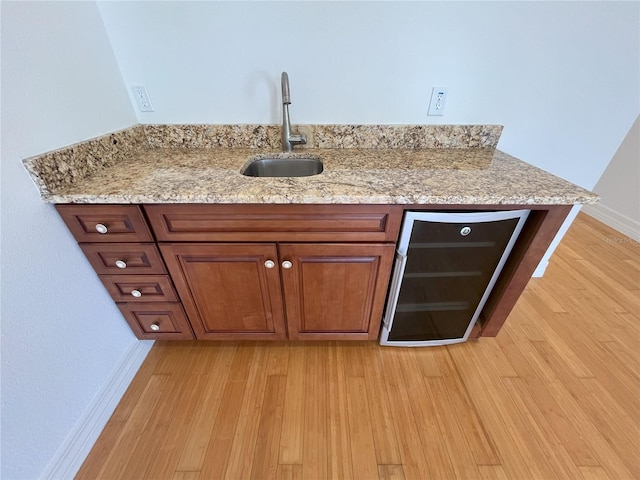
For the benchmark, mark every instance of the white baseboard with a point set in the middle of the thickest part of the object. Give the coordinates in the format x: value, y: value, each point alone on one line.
x: 619, y: 222
x: 69, y: 457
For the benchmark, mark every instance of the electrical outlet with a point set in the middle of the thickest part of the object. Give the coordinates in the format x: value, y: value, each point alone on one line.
x: 438, y: 101
x: 142, y: 98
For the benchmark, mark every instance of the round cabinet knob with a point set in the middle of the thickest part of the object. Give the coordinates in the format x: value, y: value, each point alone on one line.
x: 269, y: 264
x: 136, y: 293
x: 121, y: 264
x: 464, y: 231
x: 287, y: 264
x: 101, y: 228
x: 155, y: 327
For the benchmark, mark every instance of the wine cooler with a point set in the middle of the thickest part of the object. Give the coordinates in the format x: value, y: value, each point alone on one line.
x: 446, y: 265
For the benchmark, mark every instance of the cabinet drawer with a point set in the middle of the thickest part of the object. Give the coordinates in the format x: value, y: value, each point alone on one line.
x: 140, y: 288
x: 124, y: 258
x: 105, y: 223
x: 332, y: 223
x: 166, y: 321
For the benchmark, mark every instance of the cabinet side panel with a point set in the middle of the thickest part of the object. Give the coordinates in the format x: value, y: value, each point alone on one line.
x: 534, y: 240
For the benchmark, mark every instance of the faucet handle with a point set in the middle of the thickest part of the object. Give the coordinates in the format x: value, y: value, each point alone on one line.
x: 298, y: 139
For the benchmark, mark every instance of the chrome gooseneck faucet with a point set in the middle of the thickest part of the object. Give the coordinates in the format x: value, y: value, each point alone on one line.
x: 288, y: 139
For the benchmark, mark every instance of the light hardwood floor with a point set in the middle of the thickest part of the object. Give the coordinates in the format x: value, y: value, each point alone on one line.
x: 555, y: 396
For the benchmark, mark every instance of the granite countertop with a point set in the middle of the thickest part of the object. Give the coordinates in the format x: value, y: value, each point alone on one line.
x: 362, y: 164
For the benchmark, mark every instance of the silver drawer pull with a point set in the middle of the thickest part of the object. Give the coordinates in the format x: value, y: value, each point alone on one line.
x: 101, y: 228
x: 464, y: 231
x: 155, y: 327
x: 287, y: 264
x: 269, y: 264
x: 136, y: 293
x: 121, y: 264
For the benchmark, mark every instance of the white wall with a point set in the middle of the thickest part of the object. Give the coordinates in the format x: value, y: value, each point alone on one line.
x: 620, y: 182
x: 61, y: 334
x: 619, y: 187
x: 562, y: 77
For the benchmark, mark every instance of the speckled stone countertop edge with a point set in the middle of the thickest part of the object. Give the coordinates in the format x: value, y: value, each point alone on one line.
x: 171, y: 164
x: 335, y: 200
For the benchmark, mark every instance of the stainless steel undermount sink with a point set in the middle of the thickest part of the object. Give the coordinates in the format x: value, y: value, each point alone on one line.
x: 288, y: 166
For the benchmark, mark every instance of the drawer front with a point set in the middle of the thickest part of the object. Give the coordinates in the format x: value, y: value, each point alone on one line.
x: 105, y: 223
x: 124, y: 258
x: 157, y: 321
x: 332, y: 223
x: 139, y: 288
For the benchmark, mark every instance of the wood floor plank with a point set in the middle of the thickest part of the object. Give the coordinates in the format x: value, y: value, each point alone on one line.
x: 539, y: 425
x: 363, y: 452
x: 195, y: 445
x: 100, y: 451
x: 339, y: 441
x: 411, y: 451
x: 353, y: 366
x: 484, y: 389
x: 523, y: 356
x: 117, y: 460
x: 243, y: 447
x: 492, y: 472
x: 291, y: 435
x: 139, y: 383
x: 384, y: 434
x: 216, y: 457
x: 461, y: 404
x: 278, y: 358
x: 568, y: 391
x: 620, y: 429
x: 594, y: 473
x: 289, y: 472
x: 439, y: 464
x: 390, y: 472
x: 602, y: 365
x: 627, y: 358
x: 428, y: 360
x: 453, y: 437
x: 159, y: 444
x: 180, y: 475
x: 172, y: 438
x: 314, y: 456
x: 265, y: 464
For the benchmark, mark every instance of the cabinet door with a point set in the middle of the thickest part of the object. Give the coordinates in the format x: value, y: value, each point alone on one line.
x: 229, y: 291
x: 335, y: 290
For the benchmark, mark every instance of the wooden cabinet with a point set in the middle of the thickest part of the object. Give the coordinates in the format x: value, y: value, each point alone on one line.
x: 258, y: 290
x: 217, y: 270
x: 329, y: 291
x: 119, y: 246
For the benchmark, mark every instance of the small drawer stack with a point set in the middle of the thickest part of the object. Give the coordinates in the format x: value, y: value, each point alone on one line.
x: 121, y: 249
